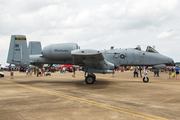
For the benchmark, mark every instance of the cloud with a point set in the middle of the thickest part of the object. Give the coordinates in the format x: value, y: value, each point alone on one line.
x: 46, y: 16
x: 91, y: 24
x: 165, y: 35
x: 169, y: 34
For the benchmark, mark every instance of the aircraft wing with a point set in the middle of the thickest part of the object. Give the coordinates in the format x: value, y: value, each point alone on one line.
x: 92, y: 60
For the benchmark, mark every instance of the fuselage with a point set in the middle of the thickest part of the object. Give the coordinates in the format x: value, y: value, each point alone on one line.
x: 133, y: 57
x: 118, y: 57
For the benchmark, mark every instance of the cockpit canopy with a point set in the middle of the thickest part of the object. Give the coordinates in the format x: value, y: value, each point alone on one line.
x: 146, y: 48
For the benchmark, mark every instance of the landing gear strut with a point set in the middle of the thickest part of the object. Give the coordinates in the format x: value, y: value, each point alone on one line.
x: 145, y: 79
x: 90, y: 78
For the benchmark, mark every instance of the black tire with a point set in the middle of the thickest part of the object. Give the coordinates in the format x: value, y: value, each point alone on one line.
x: 93, y: 75
x: 1, y: 75
x: 89, y: 79
x: 146, y: 80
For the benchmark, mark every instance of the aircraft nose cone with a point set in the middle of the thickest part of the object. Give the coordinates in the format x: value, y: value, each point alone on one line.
x: 170, y: 62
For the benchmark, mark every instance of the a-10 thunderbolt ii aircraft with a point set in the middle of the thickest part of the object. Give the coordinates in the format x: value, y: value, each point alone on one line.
x: 92, y: 61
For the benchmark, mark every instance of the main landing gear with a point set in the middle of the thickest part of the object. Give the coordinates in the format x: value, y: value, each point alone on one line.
x: 90, y: 78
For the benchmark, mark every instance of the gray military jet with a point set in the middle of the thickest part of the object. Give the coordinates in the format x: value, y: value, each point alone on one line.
x: 92, y: 61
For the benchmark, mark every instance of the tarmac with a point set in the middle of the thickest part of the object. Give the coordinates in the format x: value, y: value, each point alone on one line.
x: 62, y: 97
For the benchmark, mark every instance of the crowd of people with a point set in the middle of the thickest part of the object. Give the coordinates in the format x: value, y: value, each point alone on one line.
x: 38, y: 71
x: 173, y: 70
x: 41, y: 71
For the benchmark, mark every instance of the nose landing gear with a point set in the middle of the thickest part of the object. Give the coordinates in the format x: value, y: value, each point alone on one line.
x: 145, y: 79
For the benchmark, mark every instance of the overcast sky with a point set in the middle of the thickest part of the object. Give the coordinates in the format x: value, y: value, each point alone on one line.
x: 95, y: 24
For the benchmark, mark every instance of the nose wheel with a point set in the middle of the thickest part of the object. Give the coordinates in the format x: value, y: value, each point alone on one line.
x: 145, y: 79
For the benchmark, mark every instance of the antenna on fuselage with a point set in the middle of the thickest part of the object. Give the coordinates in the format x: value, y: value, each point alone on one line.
x: 112, y: 47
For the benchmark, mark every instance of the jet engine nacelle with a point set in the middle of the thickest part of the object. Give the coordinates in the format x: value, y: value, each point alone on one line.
x: 59, y: 51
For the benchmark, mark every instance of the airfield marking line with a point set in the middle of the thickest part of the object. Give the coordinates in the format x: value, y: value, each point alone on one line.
x: 114, y: 108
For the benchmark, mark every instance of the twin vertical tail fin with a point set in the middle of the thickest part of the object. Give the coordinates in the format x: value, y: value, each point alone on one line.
x: 18, y: 52
x: 35, y: 48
